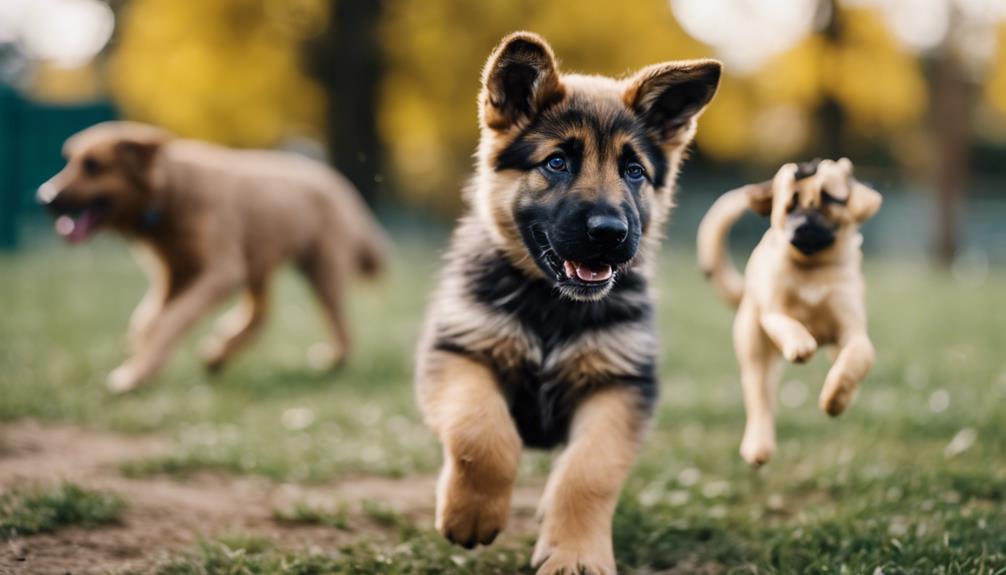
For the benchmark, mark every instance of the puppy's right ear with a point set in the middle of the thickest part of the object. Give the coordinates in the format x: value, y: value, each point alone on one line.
x: 519, y: 81
x: 760, y: 197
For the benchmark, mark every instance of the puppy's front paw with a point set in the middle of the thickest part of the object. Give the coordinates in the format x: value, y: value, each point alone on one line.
x: 123, y: 379
x: 799, y: 349
x: 757, y: 448
x: 469, y: 514
x: 837, y: 395
x: 589, y: 556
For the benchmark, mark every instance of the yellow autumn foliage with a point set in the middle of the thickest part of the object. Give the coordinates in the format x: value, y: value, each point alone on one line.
x: 222, y: 70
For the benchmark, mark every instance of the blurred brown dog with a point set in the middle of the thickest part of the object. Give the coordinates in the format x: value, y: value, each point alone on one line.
x: 803, y: 286
x: 215, y: 221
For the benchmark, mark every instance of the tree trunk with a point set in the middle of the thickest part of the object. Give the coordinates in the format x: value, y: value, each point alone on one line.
x: 953, y: 128
x: 347, y: 60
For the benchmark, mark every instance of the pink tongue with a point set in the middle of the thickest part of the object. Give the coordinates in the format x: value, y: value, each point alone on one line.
x: 76, y: 230
x: 600, y: 274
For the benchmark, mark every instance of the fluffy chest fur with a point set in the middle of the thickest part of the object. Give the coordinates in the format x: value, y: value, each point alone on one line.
x: 546, y: 351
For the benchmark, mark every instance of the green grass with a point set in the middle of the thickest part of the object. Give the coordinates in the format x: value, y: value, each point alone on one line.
x: 304, y: 514
x: 31, y: 511
x: 886, y: 486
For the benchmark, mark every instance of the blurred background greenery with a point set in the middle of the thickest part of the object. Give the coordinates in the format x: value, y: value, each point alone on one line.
x: 385, y: 90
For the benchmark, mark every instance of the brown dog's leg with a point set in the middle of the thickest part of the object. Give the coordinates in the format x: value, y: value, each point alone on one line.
x: 759, y: 363
x: 326, y: 273
x: 790, y: 336
x: 461, y: 402
x: 167, y: 328
x: 582, y: 491
x: 237, y: 327
x: 143, y: 316
x: 852, y: 364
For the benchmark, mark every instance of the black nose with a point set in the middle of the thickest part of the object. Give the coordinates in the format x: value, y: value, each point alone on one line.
x: 607, y: 230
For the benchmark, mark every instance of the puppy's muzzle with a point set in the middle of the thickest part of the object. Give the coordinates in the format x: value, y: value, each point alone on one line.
x: 811, y: 233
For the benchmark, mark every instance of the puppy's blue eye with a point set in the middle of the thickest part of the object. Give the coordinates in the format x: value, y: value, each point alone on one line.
x: 556, y: 163
x: 635, y: 172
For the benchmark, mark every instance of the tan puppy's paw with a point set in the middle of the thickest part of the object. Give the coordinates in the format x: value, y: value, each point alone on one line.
x: 123, y: 379
x: 800, y: 349
x: 468, y: 514
x: 589, y: 556
x: 757, y: 448
x: 837, y: 395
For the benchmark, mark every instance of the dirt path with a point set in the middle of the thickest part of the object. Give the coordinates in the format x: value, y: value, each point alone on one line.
x: 166, y: 515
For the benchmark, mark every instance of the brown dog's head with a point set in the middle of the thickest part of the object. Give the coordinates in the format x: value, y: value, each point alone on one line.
x: 107, y: 180
x: 576, y: 172
x: 815, y: 205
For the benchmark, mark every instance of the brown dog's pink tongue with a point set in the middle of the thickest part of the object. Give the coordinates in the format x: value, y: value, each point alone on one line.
x: 76, y: 230
x: 598, y: 274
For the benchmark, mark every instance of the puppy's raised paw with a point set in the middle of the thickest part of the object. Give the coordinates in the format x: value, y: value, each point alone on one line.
x: 468, y: 515
x: 837, y: 395
x: 800, y: 350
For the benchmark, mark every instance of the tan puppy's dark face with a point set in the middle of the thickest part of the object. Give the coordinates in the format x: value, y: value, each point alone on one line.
x: 816, y: 205
x: 105, y: 182
x: 576, y: 170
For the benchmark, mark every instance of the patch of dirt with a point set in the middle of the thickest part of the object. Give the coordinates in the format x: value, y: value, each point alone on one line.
x: 166, y: 515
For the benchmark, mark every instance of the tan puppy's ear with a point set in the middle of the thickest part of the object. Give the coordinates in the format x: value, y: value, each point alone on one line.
x: 519, y: 81
x: 669, y: 96
x: 760, y: 197
x: 863, y: 201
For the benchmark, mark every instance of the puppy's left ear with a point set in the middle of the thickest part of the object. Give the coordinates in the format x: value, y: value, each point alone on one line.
x: 668, y: 97
x: 863, y: 201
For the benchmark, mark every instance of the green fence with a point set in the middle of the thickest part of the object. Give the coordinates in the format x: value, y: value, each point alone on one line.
x: 31, y: 137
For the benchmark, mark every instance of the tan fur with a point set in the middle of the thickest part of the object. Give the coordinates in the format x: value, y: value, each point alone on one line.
x: 477, y: 354
x: 221, y: 221
x: 792, y: 303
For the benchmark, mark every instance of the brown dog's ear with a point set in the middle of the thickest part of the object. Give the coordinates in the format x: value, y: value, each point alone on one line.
x: 669, y: 96
x: 136, y: 150
x: 863, y: 201
x: 520, y: 80
x: 760, y: 197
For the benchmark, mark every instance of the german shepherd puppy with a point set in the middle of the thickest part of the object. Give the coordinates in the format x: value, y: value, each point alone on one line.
x: 541, y: 332
x: 803, y: 287
x: 213, y: 222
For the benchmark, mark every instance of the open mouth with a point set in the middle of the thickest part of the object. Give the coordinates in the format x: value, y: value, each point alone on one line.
x: 586, y: 279
x: 77, y: 225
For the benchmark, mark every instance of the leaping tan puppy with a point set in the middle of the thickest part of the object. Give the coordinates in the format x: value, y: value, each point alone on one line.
x: 803, y: 287
x: 216, y: 222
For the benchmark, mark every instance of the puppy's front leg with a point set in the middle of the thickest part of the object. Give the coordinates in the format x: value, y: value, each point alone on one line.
x: 790, y: 336
x: 462, y: 403
x: 167, y: 328
x: 581, y: 494
x: 854, y: 361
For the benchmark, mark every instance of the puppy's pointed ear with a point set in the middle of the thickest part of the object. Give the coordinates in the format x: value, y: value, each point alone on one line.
x: 519, y: 81
x: 668, y: 97
x: 760, y: 197
x: 863, y: 201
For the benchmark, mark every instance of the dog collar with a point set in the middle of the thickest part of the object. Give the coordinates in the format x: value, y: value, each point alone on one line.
x: 150, y: 218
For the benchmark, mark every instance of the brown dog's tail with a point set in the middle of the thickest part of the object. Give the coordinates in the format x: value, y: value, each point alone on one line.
x: 714, y: 257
